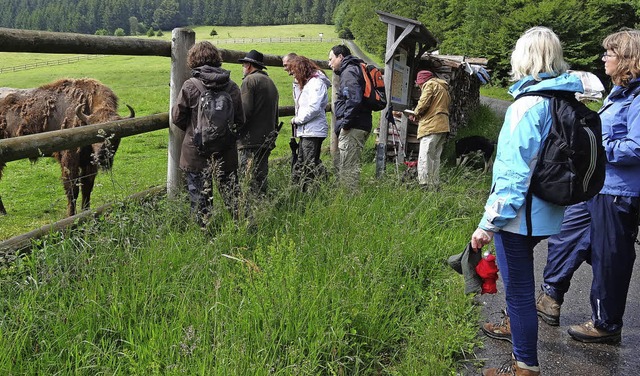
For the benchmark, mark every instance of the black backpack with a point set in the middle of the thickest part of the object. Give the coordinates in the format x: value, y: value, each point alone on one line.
x: 571, y: 162
x: 215, y: 119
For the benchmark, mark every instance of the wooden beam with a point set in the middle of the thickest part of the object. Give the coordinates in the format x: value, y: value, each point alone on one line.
x: 44, y: 144
x: 14, y: 40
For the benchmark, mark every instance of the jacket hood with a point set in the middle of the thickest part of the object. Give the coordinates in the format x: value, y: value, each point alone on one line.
x: 323, y: 77
x: 563, y: 82
x: 349, y: 60
x: 213, y: 77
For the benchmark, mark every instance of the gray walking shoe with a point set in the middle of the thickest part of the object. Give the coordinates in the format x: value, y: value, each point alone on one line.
x: 587, y: 332
x: 548, y: 309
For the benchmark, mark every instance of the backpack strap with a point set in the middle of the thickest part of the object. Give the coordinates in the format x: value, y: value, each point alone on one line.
x: 199, y: 84
x: 528, y: 199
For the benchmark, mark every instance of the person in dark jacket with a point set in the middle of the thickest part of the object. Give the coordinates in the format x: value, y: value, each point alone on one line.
x: 603, y: 230
x: 353, y: 119
x: 257, y: 139
x: 205, y: 60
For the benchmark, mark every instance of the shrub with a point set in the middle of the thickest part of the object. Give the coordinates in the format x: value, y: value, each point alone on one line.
x: 119, y: 32
x: 213, y: 32
x: 150, y: 32
x: 345, y: 34
x: 102, y: 32
x: 159, y: 33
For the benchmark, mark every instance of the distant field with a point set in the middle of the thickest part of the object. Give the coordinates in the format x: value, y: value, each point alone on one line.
x: 33, y: 193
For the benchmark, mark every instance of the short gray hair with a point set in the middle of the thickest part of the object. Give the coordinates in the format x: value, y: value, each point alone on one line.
x: 537, y: 51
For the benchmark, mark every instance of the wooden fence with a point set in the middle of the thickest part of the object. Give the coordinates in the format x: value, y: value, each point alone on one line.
x: 40, y: 64
x: 52, y: 42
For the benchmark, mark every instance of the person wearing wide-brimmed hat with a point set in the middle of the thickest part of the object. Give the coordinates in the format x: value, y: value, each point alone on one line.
x: 260, y: 103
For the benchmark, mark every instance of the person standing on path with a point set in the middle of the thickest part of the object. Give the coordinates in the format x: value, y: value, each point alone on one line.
x: 432, y: 113
x: 602, y: 230
x: 260, y: 103
x: 538, y: 64
x: 353, y: 119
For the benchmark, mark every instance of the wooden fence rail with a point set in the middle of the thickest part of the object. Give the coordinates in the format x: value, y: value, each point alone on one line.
x: 44, y: 144
x: 40, y: 64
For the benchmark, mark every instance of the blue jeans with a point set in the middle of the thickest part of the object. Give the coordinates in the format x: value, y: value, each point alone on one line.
x: 601, y: 231
x: 515, y: 261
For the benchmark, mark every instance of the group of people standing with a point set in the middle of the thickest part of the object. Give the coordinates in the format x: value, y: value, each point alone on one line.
x: 245, y: 156
x: 600, y: 231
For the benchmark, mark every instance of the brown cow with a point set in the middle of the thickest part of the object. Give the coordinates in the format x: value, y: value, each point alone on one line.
x: 66, y: 103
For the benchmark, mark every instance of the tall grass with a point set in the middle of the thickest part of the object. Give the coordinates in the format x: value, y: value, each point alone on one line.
x: 331, y: 282
x: 325, y: 283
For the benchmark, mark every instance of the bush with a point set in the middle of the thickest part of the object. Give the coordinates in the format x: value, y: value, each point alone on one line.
x: 213, y: 32
x: 119, y: 32
x: 150, y: 32
x: 102, y: 32
x: 345, y: 34
x: 159, y: 33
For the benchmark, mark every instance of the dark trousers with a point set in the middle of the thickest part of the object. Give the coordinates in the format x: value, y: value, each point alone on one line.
x: 200, y: 186
x: 254, y: 169
x: 602, y: 232
x: 308, y: 166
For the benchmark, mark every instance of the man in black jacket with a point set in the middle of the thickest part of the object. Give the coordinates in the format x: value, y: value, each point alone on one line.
x: 353, y: 119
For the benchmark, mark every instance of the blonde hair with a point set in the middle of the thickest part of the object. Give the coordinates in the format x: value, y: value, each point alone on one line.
x: 537, y: 51
x: 626, y: 45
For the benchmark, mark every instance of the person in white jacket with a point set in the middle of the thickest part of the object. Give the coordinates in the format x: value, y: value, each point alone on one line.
x: 310, y: 121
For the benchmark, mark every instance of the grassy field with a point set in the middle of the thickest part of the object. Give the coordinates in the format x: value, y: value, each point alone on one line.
x: 330, y: 283
x: 33, y: 193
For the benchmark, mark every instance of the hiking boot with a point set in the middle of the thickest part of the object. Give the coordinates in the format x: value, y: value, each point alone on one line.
x: 587, y: 332
x: 500, y: 330
x: 548, y: 309
x: 512, y: 368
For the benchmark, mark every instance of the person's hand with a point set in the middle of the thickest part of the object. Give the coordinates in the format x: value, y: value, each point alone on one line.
x: 412, y: 118
x: 293, y: 121
x: 480, y: 238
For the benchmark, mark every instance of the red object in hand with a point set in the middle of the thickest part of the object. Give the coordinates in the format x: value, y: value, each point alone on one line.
x: 488, y: 271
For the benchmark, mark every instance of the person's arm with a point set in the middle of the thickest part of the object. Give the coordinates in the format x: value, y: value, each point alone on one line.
x: 312, y: 97
x: 622, y: 144
x: 519, y: 143
x: 424, y: 103
x: 352, y: 91
x: 181, y: 110
x: 248, y: 90
x: 238, y: 109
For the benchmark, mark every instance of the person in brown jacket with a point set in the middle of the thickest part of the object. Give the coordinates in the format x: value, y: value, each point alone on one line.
x: 260, y: 103
x: 432, y: 114
x: 205, y: 60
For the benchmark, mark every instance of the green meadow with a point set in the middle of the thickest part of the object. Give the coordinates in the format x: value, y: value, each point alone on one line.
x: 33, y: 193
x: 328, y: 282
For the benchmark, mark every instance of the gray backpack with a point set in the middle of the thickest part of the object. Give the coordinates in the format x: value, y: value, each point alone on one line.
x: 215, y: 119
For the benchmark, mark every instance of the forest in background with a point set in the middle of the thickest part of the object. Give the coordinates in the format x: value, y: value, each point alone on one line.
x: 478, y: 28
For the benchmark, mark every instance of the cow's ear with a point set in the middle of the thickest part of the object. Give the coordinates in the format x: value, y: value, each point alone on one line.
x: 81, y: 115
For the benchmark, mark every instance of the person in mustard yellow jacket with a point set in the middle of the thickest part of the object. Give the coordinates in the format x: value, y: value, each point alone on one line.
x: 432, y: 114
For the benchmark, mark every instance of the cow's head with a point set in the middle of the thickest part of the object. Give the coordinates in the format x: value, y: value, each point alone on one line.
x: 103, y: 152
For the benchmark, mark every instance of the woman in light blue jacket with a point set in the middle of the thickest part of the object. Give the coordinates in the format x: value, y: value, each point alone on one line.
x: 537, y: 63
x: 603, y: 230
x: 310, y: 121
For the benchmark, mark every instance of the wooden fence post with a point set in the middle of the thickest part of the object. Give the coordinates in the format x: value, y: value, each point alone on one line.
x: 333, y: 148
x: 181, y: 41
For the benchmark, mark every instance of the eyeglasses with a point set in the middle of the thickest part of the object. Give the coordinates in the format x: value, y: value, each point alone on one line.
x: 606, y: 56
